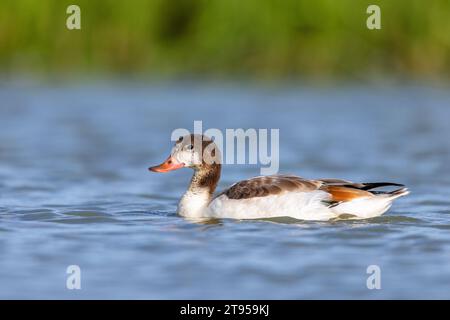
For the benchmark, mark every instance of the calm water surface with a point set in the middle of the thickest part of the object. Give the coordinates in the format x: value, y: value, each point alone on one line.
x: 74, y: 189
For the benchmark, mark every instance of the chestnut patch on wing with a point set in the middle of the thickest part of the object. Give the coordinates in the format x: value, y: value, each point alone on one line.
x: 269, y: 185
x: 342, y: 193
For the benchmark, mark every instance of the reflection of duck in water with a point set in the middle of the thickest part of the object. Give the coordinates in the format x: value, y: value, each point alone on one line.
x: 269, y: 196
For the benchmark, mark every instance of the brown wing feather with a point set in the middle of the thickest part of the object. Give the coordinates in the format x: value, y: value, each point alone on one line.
x: 340, y: 190
x: 270, y: 185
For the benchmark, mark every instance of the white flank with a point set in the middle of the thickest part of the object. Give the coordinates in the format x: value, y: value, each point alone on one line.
x: 298, y: 205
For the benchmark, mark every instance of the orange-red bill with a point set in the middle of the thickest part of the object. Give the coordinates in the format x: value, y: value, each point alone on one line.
x: 169, y: 165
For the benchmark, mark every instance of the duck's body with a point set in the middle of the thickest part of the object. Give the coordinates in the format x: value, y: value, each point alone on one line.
x: 273, y: 196
x: 289, y: 196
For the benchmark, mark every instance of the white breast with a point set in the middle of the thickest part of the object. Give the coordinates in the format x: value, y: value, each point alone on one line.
x: 299, y: 205
x: 194, y: 204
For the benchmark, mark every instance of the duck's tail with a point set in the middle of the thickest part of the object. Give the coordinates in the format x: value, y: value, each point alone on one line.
x: 363, y: 202
x: 397, y: 193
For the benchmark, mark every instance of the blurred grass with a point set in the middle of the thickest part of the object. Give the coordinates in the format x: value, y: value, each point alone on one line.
x: 260, y: 38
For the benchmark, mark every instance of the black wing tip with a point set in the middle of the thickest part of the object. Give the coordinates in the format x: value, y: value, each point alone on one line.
x: 374, y: 185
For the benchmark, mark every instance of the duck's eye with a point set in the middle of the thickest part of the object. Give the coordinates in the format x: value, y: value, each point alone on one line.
x: 190, y: 147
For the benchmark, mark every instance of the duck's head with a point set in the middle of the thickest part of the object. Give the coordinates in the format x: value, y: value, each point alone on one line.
x: 191, y: 151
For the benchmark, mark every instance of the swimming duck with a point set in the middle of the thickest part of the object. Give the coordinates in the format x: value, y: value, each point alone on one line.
x: 269, y: 196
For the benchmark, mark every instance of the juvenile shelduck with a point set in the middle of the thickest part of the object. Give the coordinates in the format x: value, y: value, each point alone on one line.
x: 269, y: 196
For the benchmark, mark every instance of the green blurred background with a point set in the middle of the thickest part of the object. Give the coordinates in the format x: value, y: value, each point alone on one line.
x: 265, y: 39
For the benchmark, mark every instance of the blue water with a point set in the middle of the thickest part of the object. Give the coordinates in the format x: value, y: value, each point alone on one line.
x: 75, y: 190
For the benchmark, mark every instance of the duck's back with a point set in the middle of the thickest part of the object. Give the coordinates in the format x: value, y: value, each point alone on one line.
x: 292, y: 196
